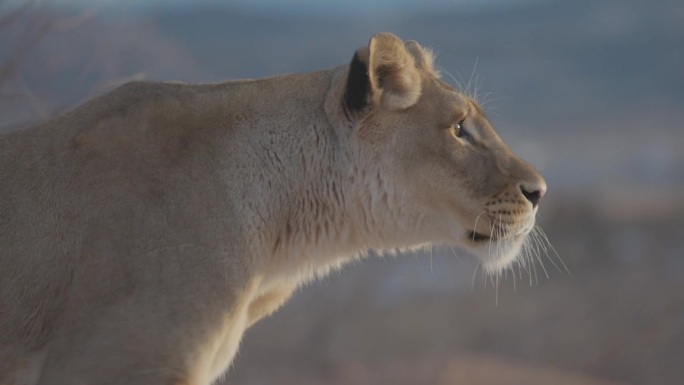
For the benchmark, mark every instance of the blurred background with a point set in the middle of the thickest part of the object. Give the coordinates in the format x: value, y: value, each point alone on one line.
x: 591, y: 92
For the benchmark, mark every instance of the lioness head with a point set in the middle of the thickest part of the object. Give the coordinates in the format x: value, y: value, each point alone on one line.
x: 441, y: 155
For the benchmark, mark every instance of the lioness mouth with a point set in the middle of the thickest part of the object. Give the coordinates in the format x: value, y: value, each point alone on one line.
x: 477, y: 237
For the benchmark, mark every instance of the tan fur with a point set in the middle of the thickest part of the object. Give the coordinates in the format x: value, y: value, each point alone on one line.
x: 143, y: 232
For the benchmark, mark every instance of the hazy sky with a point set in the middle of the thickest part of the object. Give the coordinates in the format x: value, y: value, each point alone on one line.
x: 346, y: 6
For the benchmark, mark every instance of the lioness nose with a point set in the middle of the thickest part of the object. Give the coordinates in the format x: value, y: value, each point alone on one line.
x: 534, y: 190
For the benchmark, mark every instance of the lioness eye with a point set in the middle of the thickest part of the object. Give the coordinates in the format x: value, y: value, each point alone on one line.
x: 461, y: 132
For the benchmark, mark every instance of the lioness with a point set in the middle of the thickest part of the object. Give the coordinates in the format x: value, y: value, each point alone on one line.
x: 143, y: 232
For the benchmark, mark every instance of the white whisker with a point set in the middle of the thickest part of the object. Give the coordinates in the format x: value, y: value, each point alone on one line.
x: 476, y: 219
x: 458, y: 84
x: 499, y: 234
x: 538, y: 255
x: 541, y: 231
x: 470, y: 81
x: 513, y: 274
x: 534, y: 269
x: 540, y: 242
x: 496, y: 289
x: 455, y: 255
x: 472, y: 281
x: 491, y: 235
x: 521, y: 263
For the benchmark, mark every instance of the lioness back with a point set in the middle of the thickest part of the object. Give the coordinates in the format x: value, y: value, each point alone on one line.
x: 144, y: 231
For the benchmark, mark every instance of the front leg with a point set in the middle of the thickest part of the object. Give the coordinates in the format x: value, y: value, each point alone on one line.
x: 185, y: 340
x: 126, y: 347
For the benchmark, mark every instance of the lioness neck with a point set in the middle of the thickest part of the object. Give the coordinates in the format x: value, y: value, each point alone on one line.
x: 314, y: 202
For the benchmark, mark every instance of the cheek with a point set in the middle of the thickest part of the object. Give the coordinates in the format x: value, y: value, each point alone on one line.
x: 464, y: 180
x: 432, y: 164
x: 438, y: 179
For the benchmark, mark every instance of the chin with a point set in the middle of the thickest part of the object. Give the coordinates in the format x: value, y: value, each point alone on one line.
x: 497, y: 255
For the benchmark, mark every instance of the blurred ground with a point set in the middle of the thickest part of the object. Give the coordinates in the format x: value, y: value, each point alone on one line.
x: 589, y: 92
x: 618, y: 317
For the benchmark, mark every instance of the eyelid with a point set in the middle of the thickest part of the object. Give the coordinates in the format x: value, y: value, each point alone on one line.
x: 460, y: 118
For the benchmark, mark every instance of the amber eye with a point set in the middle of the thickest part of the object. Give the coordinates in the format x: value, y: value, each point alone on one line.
x: 461, y: 132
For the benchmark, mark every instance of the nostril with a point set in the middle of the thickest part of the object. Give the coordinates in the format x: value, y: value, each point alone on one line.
x: 532, y: 196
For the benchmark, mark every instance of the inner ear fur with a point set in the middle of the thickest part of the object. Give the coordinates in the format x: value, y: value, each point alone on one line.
x: 385, y: 73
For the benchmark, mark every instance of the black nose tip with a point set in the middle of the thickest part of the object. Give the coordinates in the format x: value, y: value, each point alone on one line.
x: 533, y: 196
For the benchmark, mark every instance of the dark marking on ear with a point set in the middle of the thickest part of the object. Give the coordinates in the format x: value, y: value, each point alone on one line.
x: 358, y: 85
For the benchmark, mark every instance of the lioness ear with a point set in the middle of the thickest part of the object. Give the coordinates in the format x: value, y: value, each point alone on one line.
x: 385, y: 73
x: 425, y: 59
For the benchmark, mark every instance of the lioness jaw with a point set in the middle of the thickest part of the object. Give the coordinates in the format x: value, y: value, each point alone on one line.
x: 144, y: 231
